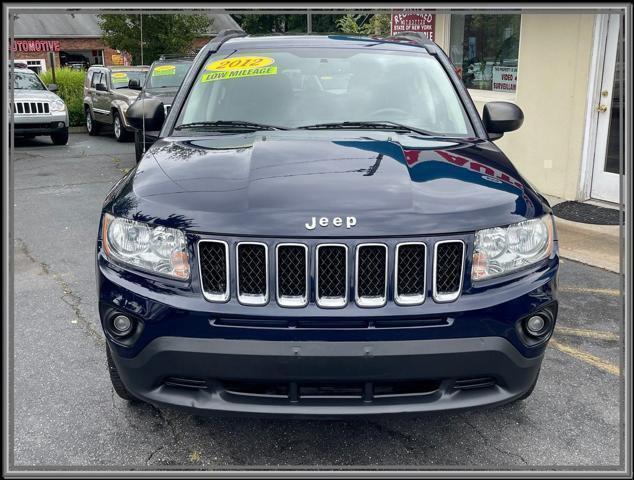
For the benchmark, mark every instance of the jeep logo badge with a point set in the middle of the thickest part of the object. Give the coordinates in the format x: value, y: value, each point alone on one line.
x: 325, y: 221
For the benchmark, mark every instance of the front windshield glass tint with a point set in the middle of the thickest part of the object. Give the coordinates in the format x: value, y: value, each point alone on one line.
x: 120, y: 78
x: 27, y: 81
x: 301, y: 86
x: 167, y: 75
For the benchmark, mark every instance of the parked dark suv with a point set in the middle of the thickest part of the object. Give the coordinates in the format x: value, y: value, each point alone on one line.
x: 162, y: 82
x: 108, y: 92
x: 325, y: 227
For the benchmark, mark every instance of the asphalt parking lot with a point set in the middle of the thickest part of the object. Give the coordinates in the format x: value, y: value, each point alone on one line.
x: 66, y: 414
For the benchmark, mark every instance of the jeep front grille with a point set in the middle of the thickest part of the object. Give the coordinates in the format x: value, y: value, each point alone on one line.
x: 32, y: 108
x: 371, y: 275
x: 331, y: 279
x: 253, y: 273
x: 214, y: 271
x: 324, y: 273
x: 448, y: 270
x: 292, y: 274
x: 409, y: 273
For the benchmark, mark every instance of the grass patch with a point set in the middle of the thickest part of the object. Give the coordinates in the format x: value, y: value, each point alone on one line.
x: 70, y: 83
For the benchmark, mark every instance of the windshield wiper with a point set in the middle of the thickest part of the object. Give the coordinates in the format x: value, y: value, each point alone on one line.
x: 220, y: 124
x: 379, y: 125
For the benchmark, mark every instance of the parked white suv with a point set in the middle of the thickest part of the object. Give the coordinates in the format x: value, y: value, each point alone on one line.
x: 36, y: 109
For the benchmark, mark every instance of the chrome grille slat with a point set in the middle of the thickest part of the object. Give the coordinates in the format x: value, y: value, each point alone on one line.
x: 410, y: 272
x: 331, y: 287
x: 448, y: 269
x: 252, y: 273
x: 291, y: 274
x: 371, y: 275
x: 331, y: 278
x: 32, y: 108
x: 214, y: 269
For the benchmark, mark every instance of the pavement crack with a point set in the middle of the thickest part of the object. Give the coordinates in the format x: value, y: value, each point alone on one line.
x: 168, y: 423
x: 489, y: 443
x: 408, y: 441
x: 69, y: 297
x: 152, y: 453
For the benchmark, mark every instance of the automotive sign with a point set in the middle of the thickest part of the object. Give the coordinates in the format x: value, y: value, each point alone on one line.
x: 504, y: 79
x: 414, y: 21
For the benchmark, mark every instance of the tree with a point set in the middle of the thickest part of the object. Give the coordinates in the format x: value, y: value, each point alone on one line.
x: 293, y: 23
x: 162, y: 33
x: 378, y: 24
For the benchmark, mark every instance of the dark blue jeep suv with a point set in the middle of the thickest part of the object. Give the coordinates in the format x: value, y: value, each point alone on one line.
x: 324, y: 227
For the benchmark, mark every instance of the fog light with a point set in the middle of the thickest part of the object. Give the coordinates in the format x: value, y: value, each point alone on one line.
x: 121, y: 325
x: 535, y: 325
x: 60, y: 124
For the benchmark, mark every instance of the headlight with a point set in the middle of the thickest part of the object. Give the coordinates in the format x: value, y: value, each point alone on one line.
x: 160, y: 250
x: 498, y: 251
x: 58, y: 106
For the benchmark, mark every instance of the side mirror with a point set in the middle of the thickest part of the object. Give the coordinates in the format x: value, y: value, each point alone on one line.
x: 150, y: 111
x: 500, y: 117
x: 52, y: 87
x: 101, y: 87
x: 133, y: 84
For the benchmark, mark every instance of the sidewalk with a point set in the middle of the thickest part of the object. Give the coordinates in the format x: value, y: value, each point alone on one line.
x: 596, y: 245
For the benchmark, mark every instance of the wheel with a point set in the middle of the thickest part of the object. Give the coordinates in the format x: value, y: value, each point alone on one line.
x: 138, y: 146
x: 117, y: 384
x: 120, y: 133
x: 91, y: 125
x: 60, y: 138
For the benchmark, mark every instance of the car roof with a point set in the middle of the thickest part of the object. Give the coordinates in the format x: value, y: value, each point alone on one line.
x: 116, y: 68
x: 403, y: 43
x: 24, y: 70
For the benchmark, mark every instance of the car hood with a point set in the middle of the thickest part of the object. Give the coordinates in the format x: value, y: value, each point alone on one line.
x: 165, y: 95
x: 129, y: 93
x: 41, y: 95
x: 273, y: 183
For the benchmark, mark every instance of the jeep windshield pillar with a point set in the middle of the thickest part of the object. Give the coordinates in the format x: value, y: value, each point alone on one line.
x: 322, y: 226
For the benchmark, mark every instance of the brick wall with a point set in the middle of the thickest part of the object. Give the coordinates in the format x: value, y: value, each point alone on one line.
x: 68, y: 45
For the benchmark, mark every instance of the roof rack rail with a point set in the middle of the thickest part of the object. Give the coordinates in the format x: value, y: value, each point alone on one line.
x: 223, y: 35
x: 167, y: 56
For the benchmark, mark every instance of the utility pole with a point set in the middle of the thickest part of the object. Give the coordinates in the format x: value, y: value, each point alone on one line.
x: 51, y: 60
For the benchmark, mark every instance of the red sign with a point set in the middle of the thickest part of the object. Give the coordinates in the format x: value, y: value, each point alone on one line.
x: 414, y: 21
x: 35, y: 46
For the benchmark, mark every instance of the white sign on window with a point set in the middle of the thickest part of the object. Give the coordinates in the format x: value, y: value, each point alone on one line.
x: 504, y: 79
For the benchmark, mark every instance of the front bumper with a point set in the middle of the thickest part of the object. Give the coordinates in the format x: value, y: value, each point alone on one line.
x: 327, y: 379
x: 214, y: 358
x: 40, y: 124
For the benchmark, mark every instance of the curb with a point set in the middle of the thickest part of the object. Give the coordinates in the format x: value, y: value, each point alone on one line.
x: 80, y: 129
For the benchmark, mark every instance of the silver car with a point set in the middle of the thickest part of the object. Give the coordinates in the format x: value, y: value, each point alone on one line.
x: 36, y: 110
x: 108, y: 92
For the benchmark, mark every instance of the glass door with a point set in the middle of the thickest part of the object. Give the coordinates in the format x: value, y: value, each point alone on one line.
x: 607, y: 168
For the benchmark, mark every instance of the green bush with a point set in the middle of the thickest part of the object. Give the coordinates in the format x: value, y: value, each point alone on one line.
x: 70, y: 84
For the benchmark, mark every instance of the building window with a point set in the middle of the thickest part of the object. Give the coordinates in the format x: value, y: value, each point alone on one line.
x: 38, y: 66
x: 484, y: 49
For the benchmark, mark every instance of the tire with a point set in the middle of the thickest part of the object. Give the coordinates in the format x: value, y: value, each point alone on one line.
x: 120, y: 133
x: 117, y: 384
x: 138, y: 146
x: 60, y: 138
x: 91, y: 124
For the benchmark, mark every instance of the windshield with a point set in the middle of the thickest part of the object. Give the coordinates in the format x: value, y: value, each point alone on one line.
x: 302, y: 86
x: 166, y: 75
x: 120, y: 78
x: 27, y: 81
